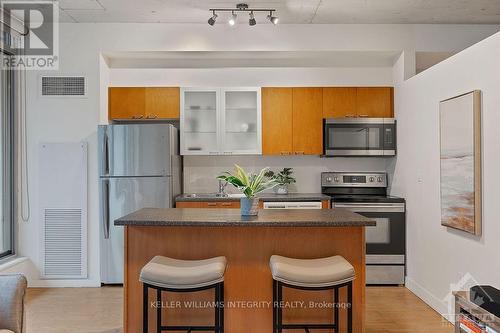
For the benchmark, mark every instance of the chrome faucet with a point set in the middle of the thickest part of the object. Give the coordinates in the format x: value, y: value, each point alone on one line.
x: 222, y: 189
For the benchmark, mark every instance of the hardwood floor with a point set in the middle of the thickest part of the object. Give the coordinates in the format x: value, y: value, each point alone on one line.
x: 99, y: 310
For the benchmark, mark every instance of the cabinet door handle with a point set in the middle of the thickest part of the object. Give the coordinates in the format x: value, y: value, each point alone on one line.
x: 363, y: 116
x: 350, y: 116
x: 228, y: 153
x: 299, y: 153
x: 212, y: 204
x: 213, y: 153
x: 226, y: 204
x: 152, y: 116
x: 285, y: 153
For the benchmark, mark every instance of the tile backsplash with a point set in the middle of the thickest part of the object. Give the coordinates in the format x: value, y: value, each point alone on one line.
x: 200, y: 172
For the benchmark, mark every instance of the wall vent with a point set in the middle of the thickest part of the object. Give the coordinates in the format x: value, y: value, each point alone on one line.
x: 63, y: 235
x: 63, y: 210
x: 63, y: 86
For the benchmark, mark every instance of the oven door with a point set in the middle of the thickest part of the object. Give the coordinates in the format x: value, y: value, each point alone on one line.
x: 388, y: 237
x: 359, y: 137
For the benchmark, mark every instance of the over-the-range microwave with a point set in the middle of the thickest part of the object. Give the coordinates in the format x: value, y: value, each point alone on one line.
x: 359, y: 137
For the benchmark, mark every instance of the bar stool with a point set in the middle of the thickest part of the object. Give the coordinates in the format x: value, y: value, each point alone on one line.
x: 329, y: 273
x: 167, y: 274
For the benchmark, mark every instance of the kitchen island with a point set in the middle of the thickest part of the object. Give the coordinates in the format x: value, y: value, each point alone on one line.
x: 247, y: 243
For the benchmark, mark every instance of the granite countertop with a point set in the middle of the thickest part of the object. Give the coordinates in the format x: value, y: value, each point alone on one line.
x: 209, y: 217
x: 261, y: 196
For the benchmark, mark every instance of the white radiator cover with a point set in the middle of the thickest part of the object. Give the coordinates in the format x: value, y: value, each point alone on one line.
x: 63, y: 210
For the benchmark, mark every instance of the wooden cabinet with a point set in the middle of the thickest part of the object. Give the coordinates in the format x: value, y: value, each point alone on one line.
x: 143, y: 103
x: 375, y: 102
x: 162, y: 103
x: 126, y: 102
x: 362, y: 102
x: 339, y: 102
x: 208, y: 204
x: 277, y: 121
x: 307, y: 129
x: 292, y: 121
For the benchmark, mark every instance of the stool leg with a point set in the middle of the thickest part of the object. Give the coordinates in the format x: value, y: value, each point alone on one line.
x: 158, y: 310
x: 217, y: 309
x: 349, y: 309
x: 336, y: 309
x: 280, y: 310
x: 145, y: 308
x: 275, y: 288
x: 221, y: 310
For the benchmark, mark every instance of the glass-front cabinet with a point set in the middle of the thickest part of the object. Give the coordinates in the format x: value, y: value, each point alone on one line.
x: 221, y: 121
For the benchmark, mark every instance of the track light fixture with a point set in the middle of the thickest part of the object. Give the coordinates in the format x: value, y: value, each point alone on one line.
x: 232, y: 19
x: 243, y: 7
x: 211, y: 20
x: 252, y: 20
x: 274, y: 19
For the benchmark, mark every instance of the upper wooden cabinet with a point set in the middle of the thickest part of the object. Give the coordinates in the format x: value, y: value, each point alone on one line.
x: 339, y: 102
x: 292, y: 121
x: 126, y: 103
x: 277, y: 121
x: 367, y: 102
x: 162, y: 103
x: 143, y: 103
x: 307, y: 129
x: 375, y: 102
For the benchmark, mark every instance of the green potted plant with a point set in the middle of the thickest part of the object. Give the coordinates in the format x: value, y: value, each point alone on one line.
x: 283, y: 179
x: 250, y: 184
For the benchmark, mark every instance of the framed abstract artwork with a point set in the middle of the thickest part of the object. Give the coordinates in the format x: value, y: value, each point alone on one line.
x: 460, y: 147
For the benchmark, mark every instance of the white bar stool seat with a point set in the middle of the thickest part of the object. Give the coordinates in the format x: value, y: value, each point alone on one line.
x: 183, y: 274
x: 322, y: 272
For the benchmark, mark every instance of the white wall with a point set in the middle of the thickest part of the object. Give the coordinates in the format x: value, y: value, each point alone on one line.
x: 70, y: 120
x: 437, y: 256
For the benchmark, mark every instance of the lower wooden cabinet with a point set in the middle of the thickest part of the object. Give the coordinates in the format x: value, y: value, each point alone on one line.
x: 226, y: 204
x: 207, y: 204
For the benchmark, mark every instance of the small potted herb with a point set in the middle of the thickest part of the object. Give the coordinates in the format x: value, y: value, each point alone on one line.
x: 283, y: 179
x: 250, y: 184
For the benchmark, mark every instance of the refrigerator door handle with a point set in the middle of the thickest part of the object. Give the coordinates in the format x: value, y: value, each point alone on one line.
x: 105, y: 150
x: 106, y: 209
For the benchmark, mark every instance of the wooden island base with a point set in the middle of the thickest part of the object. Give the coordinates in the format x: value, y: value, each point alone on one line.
x: 248, y: 280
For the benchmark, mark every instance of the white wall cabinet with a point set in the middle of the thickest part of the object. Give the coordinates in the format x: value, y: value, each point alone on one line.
x: 221, y: 121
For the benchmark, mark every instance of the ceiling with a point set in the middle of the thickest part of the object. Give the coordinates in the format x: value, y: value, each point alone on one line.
x: 289, y: 11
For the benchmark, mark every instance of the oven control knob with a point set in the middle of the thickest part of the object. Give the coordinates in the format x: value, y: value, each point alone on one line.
x: 336, y: 179
x: 379, y: 179
x: 372, y: 179
x: 329, y: 179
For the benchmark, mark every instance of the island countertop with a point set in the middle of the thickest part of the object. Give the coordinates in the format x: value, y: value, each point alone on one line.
x: 199, y: 217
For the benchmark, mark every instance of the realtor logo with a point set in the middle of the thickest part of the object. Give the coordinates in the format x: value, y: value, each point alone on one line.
x: 31, y: 34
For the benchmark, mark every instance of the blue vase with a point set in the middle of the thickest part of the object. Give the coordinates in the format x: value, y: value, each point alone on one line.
x: 249, y: 206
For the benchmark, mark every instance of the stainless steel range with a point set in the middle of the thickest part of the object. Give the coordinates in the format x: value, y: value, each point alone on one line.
x: 366, y: 194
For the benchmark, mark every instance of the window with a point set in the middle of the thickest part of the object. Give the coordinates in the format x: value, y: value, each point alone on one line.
x: 6, y: 160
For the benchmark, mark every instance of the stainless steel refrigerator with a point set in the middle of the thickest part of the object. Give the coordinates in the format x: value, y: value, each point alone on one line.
x: 139, y: 166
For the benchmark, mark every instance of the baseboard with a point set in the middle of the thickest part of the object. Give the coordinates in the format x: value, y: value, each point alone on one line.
x: 34, y: 283
x: 435, y: 303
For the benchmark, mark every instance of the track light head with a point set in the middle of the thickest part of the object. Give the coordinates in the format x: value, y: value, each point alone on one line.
x: 232, y: 19
x: 252, y: 20
x: 212, y: 20
x: 274, y: 19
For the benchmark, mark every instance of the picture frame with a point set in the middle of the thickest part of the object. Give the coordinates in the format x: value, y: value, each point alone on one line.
x: 460, y: 162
